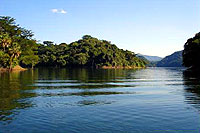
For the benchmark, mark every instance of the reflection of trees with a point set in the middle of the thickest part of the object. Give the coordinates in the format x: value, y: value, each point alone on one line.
x: 192, y: 83
x: 12, y: 94
x: 82, y: 74
x: 89, y: 82
x: 15, y: 86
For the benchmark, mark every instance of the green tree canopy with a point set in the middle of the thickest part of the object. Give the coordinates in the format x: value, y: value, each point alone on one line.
x: 15, y: 43
x: 18, y: 47
x: 191, y: 53
x: 88, y: 51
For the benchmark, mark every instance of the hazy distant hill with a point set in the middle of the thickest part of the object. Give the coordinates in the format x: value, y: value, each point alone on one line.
x: 173, y: 60
x: 150, y: 58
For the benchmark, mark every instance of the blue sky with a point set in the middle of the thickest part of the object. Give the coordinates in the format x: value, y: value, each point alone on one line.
x: 151, y: 27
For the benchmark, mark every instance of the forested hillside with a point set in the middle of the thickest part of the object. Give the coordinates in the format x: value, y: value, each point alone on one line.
x: 88, y: 51
x: 18, y: 48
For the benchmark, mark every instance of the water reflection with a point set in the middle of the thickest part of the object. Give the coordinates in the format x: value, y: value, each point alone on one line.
x: 18, y: 88
x: 99, y: 100
x: 12, y: 97
x: 92, y: 102
x: 192, y: 84
x: 81, y: 74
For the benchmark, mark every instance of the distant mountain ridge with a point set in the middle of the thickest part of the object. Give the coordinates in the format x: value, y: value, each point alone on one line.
x: 173, y: 60
x: 150, y: 58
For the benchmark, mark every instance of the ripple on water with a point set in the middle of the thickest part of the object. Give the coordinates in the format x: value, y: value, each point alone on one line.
x: 146, y: 100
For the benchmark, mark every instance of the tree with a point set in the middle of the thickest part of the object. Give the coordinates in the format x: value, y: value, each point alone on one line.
x: 88, y: 51
x: 191, y: 53
x: 5, y: 41
x: 80, y: 59
x: 4, y: 59
x: 30, y: 60
x: 17, y: 45
x: 14, y: 52
x: 85, y: 37
x: 48, y: 43
x: 15, y: 42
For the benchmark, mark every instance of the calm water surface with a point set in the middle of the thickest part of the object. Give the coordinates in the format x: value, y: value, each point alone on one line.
x: 90, y: 100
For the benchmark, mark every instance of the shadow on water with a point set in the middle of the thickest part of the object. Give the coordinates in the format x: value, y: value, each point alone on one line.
x: 12, y: 97
x: 192, y: 88
x: 82, y: 82
x: 82, y: 74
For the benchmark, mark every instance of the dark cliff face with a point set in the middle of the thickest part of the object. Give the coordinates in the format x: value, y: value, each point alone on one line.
x: 173, y: 60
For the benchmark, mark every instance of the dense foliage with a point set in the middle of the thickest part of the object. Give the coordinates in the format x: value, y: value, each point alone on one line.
x: 173, y: 60
x: 16, y: 44
x: 191, y: 53
x: 18, y: 48
x: 88, y: 51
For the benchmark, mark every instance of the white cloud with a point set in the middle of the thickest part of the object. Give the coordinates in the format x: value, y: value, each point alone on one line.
x: 58, y: 11
x: 63, y: 11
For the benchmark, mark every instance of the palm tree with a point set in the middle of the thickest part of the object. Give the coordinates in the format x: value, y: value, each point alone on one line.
x: 14, y: 52
x: 5, y: 41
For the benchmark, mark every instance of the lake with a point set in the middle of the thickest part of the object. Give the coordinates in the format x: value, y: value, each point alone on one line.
x: 97, y: 100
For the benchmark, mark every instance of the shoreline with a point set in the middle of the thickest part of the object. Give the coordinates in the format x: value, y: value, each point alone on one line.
x: 121, y: 67
x: 19, y: 68
x: 16, y: 68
